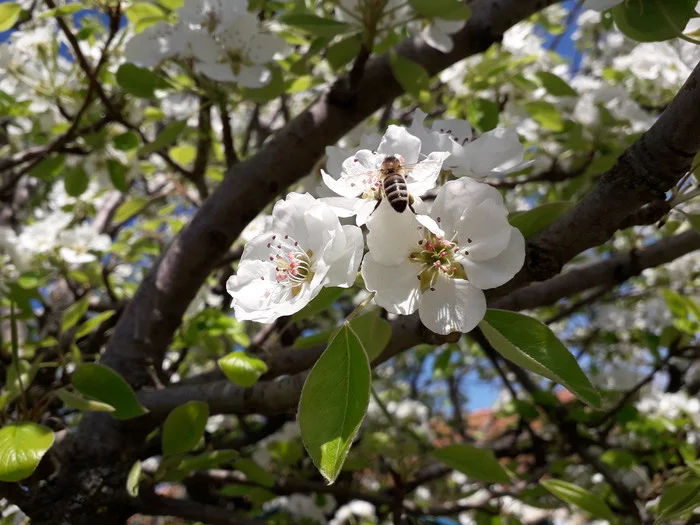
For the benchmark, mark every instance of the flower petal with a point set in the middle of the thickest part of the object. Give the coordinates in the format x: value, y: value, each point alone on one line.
x: 398, y: 141
x: 343, y: 270
x: 436, y: 38
x: 497, y: 271
x: 423, y: 177
x: 396, y: 286
x: 363, y: 209
x: 344, y: 186
x: 496, y: 152
x: 458, y: 197
x: 392, y: 236
x: 453, y: 305
x: 484, y: 231
x: 254, y: 76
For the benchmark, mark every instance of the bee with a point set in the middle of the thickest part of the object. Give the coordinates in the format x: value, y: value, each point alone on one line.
x: 392, y: 174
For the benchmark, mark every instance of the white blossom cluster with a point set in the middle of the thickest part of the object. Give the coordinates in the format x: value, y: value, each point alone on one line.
x: 435, y: 258
x: 219, y: 39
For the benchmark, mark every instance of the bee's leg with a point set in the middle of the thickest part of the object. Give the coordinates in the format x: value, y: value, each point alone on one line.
x: 379, y: 201
x: 411, y: 200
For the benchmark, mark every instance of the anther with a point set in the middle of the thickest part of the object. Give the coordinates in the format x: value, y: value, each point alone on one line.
x: 432, y: 289
x: 269, y: 245
x: 438, y: 219
x: 469, y: 241
x: 272, y: 258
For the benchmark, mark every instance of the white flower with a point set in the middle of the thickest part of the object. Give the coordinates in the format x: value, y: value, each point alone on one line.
x: 211, y: 14
x: 349, y: 513
x: 42, y: 235
x: 601, y: 5
x: 360, y: 183
x: 437, y: 34
x: 496, y: 152
x: 413, y: 264
x: 282, y: 270
x: 239, y: 53
x: 81, y: 243
x: 156, y: 43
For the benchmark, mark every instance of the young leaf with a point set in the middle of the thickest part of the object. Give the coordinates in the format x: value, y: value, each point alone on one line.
x: 9, y: 13
x: 411, y: 76
x: 81, y: 403
x: 343, y: 51
x: 184, y: 427
x: 334, y: 401
x: 315, y: 24
x: 323, y: 301
x: 105, y: 385
x: 133, y: 479
x: 570, y: 493
x: 677, y: 500
x: 373, y: 332
x: 694, y: 220
x: 75, y: 181
x: 537, y: 219
x: 241, y: 368
x: 255, y: 472
x: 166, y: 137
x: 653, y: 20
x: 92, y: 323
x: 139, y: 81
x: 129, y: 208
x: 531, y: 344
x: 546, y: 115
x: 556, y: 85
x: 475, y: 462
x: 22, y: 445
x: 73, y: 314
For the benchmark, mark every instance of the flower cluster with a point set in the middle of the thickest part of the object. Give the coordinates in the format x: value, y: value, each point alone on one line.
x: 432, y: 258
x: 219, y: 39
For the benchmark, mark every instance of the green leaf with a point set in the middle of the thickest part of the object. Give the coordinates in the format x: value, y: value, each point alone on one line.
x: 317, y: 339
x: 373, y: 332
x: 166, y: 137
x: 323, y: 301
x: 653, y: 20
x: 133, y: 479
x: 411, y: 76
x: 75, y: 181
x: 92, y: 323
x: 22, y: 445
x: 537, y: 219
x: 255, y: 472
x: 184, y: 154
x: 475, y: 462
x: 126, y: 141
x: 105, y: 385
x: 241, y: 368
x: 448, y: 9
x: 139, y: 81
x: 334, y: 401
x: 129, y: 208
x: 9, y: 13
x: 546, y: 115
x: 177, y: 468
x: 694, y: 220
x: 302, y: 83
x: 117, y: 174
x: 315, y: 24
x: 184, y: 427
x: 81, y: 403
x: 532, y: 345
x: 677, y: 500
x: 570, y: 493
x: 73, y: 314
x: 49, y: 167
x: 142, y: 14
x: 16, y: 383
x: 556, y: 85
x: 64, y: 10
x: 342, y: 52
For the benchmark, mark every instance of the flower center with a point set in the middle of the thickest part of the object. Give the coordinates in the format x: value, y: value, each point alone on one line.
x: 436, y: 256
x: 292, y: 263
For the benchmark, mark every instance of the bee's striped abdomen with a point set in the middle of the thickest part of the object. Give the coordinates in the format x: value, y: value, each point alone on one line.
x: 396, y: 191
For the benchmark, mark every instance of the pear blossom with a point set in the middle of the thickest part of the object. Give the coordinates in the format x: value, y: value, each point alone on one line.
x: 79, y: 244
x: 438, y: 34
x: 306, y: 250
x: 211, y: 14
x: 440, y: 264
x: 494, y: 153
x: 156, y: 43
x: 360, y: 185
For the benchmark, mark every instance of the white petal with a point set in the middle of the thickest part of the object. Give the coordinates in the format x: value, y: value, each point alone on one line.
x: 240, y: 33
x: 497, y: 271
x: 449, y: 26
x: 392, y: 236
x: 335, y: 158
x: 264, y: 47
x: 496, y: 152
x: 430, y: 224
x: 453, y: 305
x: 254, y: 76
x: 342, y: 206
x: 458, y: 196
x: 343, y: 270
x: 423, y: 176
x: 396, y: 286
x: 345, y: 186
x: 153, y: 45
x: 203, y: 46
x: 363, y: 210
x: 220, y: 72
x: 288, y: 216
x: 437, y: 38
x: 459, y: 130
x: 324, y: 235
x: 250, y: 290
x: 487, y: 227
x: 398, y: 141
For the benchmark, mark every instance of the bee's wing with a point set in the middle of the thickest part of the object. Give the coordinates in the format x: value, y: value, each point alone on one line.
x: 422, y: 176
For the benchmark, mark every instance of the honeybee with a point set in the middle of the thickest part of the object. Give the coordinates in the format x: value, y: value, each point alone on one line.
x: 392, y: 174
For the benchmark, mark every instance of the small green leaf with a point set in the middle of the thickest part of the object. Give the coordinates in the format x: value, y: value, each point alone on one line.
x: 677, y: 500
x: 334, y: 401
x: 126, y: 141
x: 22, y: 445
x: 323, y: 301
x: 537, y: 219
x: 184, y: 427
x: 556, y: 85
x: 241, y: 368
x: 9, y: 13
x: 117, y: 174
x: 411, y: 76
x: 546, y: 115
x: 447, y: 9
x: 255, y: 472
x: 166, y: 137
x: 92, y: 323
x: 142, y: 14
x: 694, y: 220
x: 81, y: 403
x: 344, y: 51
x: 570, y: 493
x: 139, y: 81
x: 133, y: 479
x: 653, y: 20
x: 532, y: 345
x: 302, y: 83
x: 477, y: 463
x: 373, y: 332
x: 49, y: 167
x: 128, y: 209
x: 178, y: 467
x: 75, y: 181
x: 16, y: 384
x: 105, y: 385
x: 64, y: 10
x: 315, y: 24
x: 73, y: 314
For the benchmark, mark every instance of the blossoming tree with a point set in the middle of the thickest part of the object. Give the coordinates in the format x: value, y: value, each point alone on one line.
x: 364, y: 261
